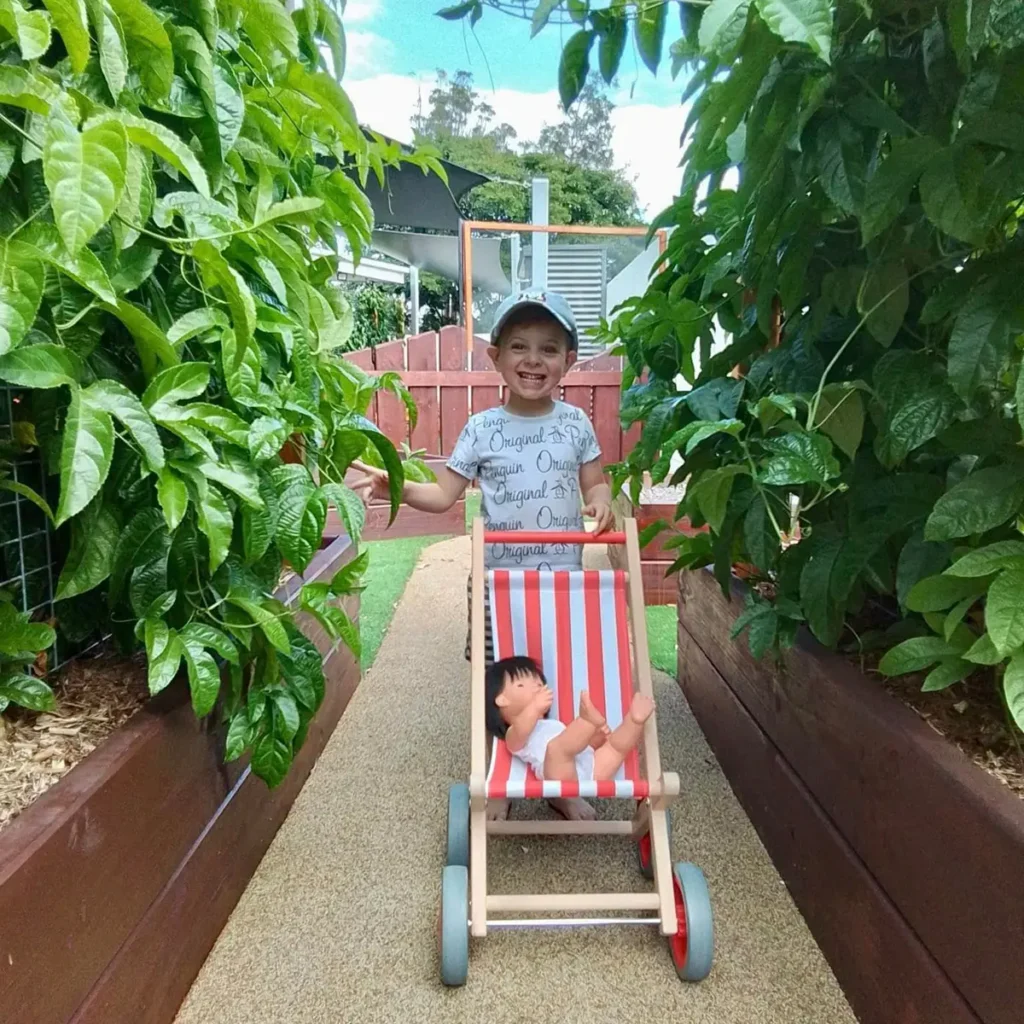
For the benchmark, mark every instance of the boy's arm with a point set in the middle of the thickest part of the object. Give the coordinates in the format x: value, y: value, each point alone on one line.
x: 438, y: 496
x: 597, y: 495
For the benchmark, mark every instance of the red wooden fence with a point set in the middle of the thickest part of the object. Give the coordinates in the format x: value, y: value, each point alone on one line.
x: 446, y: 394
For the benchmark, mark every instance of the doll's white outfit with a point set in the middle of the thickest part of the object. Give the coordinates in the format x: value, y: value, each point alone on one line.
x: 536, y: 747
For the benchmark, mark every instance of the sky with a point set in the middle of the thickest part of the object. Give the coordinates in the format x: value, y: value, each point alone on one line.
x: 395, y: 48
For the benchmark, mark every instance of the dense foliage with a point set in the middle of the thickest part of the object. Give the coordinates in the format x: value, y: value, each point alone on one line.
x: 378, y: 315
x: 175, y: 175
x: 850, y: 213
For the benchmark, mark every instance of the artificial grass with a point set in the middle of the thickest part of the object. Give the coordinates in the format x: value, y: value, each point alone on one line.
x: 661, y: 637
x: 391, y: 565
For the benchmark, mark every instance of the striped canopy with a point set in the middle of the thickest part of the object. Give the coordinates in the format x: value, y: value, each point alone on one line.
x: 576, y: 627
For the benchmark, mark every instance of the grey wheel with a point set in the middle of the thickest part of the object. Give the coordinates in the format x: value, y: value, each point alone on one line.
x: 458, y: 825
x: 693, y: 947
x: 454, y: 924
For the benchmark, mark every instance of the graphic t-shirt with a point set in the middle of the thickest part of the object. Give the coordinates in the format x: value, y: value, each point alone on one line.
x: 529, y: 473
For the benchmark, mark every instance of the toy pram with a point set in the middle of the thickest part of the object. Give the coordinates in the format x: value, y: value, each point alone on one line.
x: 587, y: 629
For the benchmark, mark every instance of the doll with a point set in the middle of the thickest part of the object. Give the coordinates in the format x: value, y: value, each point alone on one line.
x: 518, y: 700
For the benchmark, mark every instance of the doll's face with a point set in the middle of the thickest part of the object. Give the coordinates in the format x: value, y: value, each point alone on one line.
x: 517, y: 694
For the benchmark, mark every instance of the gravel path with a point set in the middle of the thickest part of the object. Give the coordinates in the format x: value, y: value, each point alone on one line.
x: 338, y: 925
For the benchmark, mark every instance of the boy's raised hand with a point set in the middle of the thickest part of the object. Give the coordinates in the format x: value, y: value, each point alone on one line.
x: 373, y: 484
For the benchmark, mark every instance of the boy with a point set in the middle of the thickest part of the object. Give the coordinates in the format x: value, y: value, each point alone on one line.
x: 536, y: 459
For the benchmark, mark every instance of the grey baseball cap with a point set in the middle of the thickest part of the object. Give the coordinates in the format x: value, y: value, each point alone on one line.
x: 551, y: 302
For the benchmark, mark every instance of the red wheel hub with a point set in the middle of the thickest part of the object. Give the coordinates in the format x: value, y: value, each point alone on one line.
x: 645, y: 851
x: 678, y: 943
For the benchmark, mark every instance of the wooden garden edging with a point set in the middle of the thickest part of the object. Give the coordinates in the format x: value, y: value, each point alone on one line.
x: 115, y: 884
x: 904, y: 857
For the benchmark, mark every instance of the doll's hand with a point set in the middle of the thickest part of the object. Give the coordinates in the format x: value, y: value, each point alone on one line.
x: 543, y: 700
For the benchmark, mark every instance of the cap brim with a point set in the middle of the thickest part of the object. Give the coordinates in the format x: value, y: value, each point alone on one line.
x: 526, y: 304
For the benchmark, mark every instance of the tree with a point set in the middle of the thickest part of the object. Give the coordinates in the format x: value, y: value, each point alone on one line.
x: 584, y: 135
x: 458, y: 112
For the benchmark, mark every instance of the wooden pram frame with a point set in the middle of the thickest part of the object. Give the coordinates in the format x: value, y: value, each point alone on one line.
x: 651, y: 908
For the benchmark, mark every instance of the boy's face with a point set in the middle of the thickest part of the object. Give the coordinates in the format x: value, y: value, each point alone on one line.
x: 532, y: 358
x: 517, y: 693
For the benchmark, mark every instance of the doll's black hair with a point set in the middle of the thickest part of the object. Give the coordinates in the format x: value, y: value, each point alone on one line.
x: 494, y: 682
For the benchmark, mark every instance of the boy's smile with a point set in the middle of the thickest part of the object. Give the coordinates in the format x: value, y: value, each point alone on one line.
x: 532, y: 358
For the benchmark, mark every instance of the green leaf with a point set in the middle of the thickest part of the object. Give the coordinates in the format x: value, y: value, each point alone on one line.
x: 209, y: 636
x: 30, y: 29
x: 26, y: 492
x: 302, y: 514
x: 799, y: 458
x: 203, y: 676
x: 841, y: 417
x: 1004, y: 611
x: 165, y: 144
x: 29, y: 692
x: 175, y: 385
x: 985, y: 499
x: 842, y: 164
x: 173, y: 497
x: 204, y: 12
x: 574, y: 67
x: 149, y: 48
x: 19, y: 636
x: 85, y: 174
x: 884, y: 298
x: 937, y: 593
x: 266, y: 618
x: 918, y: 559
x: 915, y: 654
x: 238, y: 734
x: 144, y: 540
x: 980, y: 343
x: 801, y: 21
x: 824, y: 617
x: 196, y: 322
x: 349, y: 578
x: 921, y: 416
x: 1013, y: 688
x: 267, y: 24
x: 110, y: 46
x: 295, y: 207
x: 216, y: 524
x: 22, y: 278
x: 649, y: 29
x: 117, y: 400
x: 164, y: 666
x: 350, y: 508
x: 457, y: 11
x: 267, y: 436
x: 711, y: 492
x: 888, y: 191
x: 612, y: 44
x: 1004, y: 554
x: 83, y: 268
x: 94, y: 537
x: 717, y: 18
x: 72, y: 22
x: 946, y: 673
x: 22, y: 88
x: 389, y: 457
x: 239, y: 298
x: 236, y: 475
x: 86, y: 454
x: 983, y: 652
x: 271, y: 754
x: 150, y: 342
x: 40, y: 366
x: 135, y: 266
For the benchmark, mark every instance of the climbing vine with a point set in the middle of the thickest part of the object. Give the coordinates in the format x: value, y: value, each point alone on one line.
x: 174, y: 179
x: 850, y: 215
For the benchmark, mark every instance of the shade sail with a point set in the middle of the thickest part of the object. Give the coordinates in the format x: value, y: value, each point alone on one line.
x: 439, y: 254
x: 412, y: 199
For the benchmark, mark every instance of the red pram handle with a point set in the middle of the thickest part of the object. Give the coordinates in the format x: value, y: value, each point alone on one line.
x: 549, y: 537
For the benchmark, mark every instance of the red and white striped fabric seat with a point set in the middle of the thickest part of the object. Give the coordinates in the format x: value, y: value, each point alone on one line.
x: 576, y: 627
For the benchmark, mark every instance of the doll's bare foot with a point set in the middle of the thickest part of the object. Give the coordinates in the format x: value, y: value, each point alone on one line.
x: 589, y: 713
x: 497, y: 810
x: 641, y: 709
x: 572, y: 809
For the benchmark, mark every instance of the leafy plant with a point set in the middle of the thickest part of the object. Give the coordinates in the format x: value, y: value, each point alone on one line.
x: 168, y: 195
x: 850, y: 214
x: 378, y: 315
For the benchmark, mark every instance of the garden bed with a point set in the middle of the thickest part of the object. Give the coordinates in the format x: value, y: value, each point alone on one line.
x: 128, y: 867
x: 902, y: 854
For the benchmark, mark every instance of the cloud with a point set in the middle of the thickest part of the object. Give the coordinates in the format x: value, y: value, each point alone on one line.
x: 366, y: 53
x: 386, y: 102
x: 362, y: 10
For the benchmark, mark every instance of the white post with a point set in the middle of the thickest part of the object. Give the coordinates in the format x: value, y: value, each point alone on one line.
x: 539, y: 215
x: 414, y: 300
x: 516, y: 257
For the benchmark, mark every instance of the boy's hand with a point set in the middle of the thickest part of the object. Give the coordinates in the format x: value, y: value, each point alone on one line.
x: 601, y: 512
x: 373, y: 484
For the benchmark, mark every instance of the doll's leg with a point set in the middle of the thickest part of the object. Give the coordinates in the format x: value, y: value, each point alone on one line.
x: 560, y: 755
x: 608, y: 759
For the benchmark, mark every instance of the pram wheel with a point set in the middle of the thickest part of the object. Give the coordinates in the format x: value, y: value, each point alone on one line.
x: 458, y: 825
x: 643, y: 850
x: 693, y: 946
x: 454, y: 924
